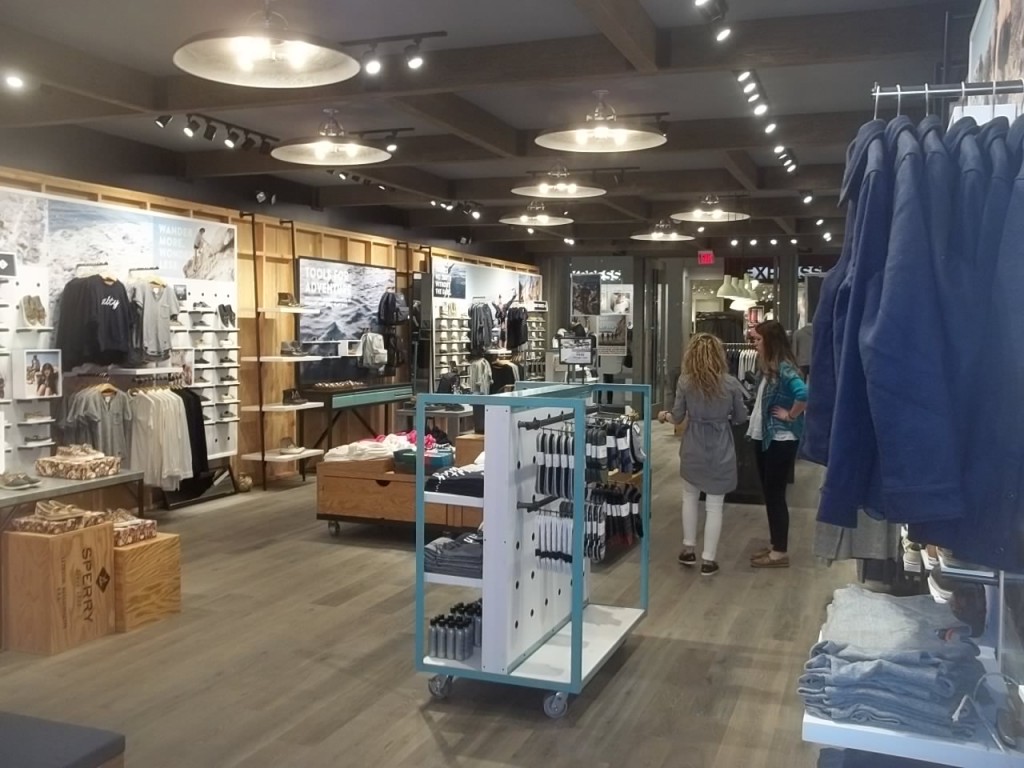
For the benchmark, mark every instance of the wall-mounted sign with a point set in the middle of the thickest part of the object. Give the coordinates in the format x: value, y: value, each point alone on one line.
x: 705, y: 258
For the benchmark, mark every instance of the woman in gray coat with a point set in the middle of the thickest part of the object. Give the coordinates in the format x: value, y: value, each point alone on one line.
x: 710, y: 401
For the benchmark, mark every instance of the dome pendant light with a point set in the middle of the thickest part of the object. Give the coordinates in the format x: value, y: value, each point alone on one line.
x: 331, y: 147
x: 535, y: 215
x: 265, y: 53
x: 710, y: 211
x: 602, y: 132
x: 662, y: 232
x: 557, y: 185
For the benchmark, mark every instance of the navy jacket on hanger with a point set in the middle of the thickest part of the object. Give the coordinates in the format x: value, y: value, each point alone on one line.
x: 834, y: 299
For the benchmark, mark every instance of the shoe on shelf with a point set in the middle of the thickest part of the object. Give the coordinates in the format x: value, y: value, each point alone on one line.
x: 232, y: 317
x: 287, y: 300
x: 200, y: 323
x: 292, y: 397
x: 912, y: 560
x: 708, y: 568
x: 200, y: 380
x: 228, y: 415
x: 201, y: 361
x: 767, y: 561
x: 227, y: 397
x: 291, y: 349
x: 288, y: 447
x: 222, y: 313
x: 228, y: 378
x: 28, y: 311
x: 226, y: 360
x: 687, y: 557
x: 198, y: 305
x: 17, y: 481
x: 36, y: 439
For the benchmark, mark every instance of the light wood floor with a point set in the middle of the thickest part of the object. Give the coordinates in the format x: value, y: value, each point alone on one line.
x: 295, y: 650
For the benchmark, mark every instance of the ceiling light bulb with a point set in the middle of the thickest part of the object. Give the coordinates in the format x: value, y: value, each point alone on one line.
x: 700, y: 229
x: 231, y: 140
x: 524, y: 218
x: 717, y: 213
x: 572, y: 189
x: 791, y: 169
x: 570, y: 241
x: 544, y: 187
x: 751, y: 86
x: 819, y: 222
x: 780, y: 150
x: 475, y: 215
x: 723, y: 34
x: 699, y: 3
x: 774, y: 241
x: 560, y: 186
x: 191, y: 127
x: 743, y: 76
x: 760, y: 109
x: 793, y: 240
x: 164, y: 120
x: 657, y: 234
x: 542, y: 218
x: 808, y: 198
x: 602, y: 131
x: 432, y: 202
x: 753, y: 97
x: 14, y: 81
x: 582, y: 136
x: 770, y: 128
x: 529, y: 230
x: 371, y: 62
x: 734, y: 243
x: 413, y: 57
x: 753, y: 241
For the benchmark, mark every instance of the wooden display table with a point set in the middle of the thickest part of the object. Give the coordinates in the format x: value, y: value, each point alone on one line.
x: 58, y: 590
x: 147, y: 581
x: 372, y: 492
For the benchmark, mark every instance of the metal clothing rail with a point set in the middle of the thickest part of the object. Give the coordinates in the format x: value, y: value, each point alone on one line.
x: 963, y: 90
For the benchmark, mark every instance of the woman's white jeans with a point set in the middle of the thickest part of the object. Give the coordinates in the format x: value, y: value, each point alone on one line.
x: 712, y: 525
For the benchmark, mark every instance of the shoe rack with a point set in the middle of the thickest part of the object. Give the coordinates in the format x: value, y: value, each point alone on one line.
x: 451, y: 348
x: 535, y: 361
x: 263, y: 359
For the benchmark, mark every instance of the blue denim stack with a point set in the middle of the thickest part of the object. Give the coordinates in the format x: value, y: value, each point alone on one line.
x: 903, y: 663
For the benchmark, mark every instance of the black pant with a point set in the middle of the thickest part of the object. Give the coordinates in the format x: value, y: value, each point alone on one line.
x: 774, y: 466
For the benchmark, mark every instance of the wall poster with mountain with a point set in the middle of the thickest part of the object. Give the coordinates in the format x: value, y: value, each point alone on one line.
x: 347, y: 296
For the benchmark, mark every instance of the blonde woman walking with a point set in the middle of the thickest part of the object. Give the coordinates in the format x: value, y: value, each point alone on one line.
x: 710, y: 401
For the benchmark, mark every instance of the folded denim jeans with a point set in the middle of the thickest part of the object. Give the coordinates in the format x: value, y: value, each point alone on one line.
x: 940, y: 680
x: 865, y: 714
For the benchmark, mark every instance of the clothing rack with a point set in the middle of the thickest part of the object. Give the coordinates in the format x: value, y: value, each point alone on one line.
x: 541, y: 423
x: 945, y: 91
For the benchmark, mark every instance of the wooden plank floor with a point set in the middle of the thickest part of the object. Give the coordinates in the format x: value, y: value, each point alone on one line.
x: 296, y: 650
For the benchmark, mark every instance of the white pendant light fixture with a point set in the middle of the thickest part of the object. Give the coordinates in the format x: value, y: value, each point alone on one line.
x: 710, y: 211
x: 727, y: 290
x: 602, y: 132
x: 265, y: 53
x: 557, y: 185
x: 748, y: 287
x: 535, y: 215
x: 743, y: 299
x: 662, y: 232
x: 329, y: 147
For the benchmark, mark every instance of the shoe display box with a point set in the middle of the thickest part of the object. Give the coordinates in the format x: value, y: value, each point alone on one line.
x: 147, y: 581
x: 58, y: 591
x: 38, y: 374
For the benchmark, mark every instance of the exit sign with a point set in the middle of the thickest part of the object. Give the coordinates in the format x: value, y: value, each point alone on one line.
x: 705, y: 258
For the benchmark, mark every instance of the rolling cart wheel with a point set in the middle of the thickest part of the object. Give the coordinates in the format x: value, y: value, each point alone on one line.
x: 440, y: 686
x: 556, y: 705
x: 334, y: 528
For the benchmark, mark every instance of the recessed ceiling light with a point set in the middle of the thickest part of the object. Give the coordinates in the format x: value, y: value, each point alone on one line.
x: 433, y: 203
x: 14, y: 81
x: 793, y: 240
x: 734, y: 243
x: 819, y: 222
x: 780, y: 150
x: 742, y: 76
x: 774, y: 241
x: 760, y: 109
x: 723, y: 34
x: 749, y: 87
x: 529, y: 230
x: 770, y: 128
x: 753, y: 241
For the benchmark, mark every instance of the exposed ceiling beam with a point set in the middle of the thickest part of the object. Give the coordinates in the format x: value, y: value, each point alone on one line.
x: 633, y: 207
x: 743, y: 168
x: 407, y: 186
x: 628, y: 27
x: 466, y: 120
x: 787, y: 224
x: 793, y: 41
x: 722, y: 248
x: 768, y: 208
x: 583, y: 213
x: 621, y: 231
x: 61, y: 66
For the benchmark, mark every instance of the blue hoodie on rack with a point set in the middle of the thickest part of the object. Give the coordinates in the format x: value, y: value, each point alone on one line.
x: 839, y: 414
x: 906, y: 368
x: 834, y: 299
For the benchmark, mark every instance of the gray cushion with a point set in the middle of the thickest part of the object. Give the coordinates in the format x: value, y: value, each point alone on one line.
x: 29, y: 742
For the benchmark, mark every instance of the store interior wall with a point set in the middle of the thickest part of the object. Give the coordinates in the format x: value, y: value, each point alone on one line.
x: 84, y: 155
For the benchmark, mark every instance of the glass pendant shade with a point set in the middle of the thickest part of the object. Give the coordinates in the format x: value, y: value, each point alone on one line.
x: 265, y: 53
x: 557, y: 185
x: 535, y: 215
x: 331, y: 147
x: 662, y: 232
x: 602, y: 132
x: 710, y: 211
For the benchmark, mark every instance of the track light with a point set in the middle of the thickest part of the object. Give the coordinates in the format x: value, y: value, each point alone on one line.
x: 699, y: 3
x: 760, y: 109
x: 743, y: 76
x: 750, y: 87
x: 210, y: 132
x: 793, y: 240
x: 753, y: 241
x: 266, y: 146
x: 808, y: 198
x: 342, y: 175
x: 164, y: 120
x: 700, y: 228
x: 475, y: 215
x: 249, y: 143
x: 371, y: 61
x: 791, y: 169
x: 780, y: 150
x: 753, y: 97
x: 819, y: 222
x: 734, y: 243
x: 433, y: 203
x: 770, y: 128
x: 191, y: 127
x: 529, y: 230
x: 773, y: 241
x: 723, y: 34
x: 392, y: 147
x: 262, y: 197
x: 569, y: 241
x: 382, y: 188
x: 413, y: 57
x: 231, y: 140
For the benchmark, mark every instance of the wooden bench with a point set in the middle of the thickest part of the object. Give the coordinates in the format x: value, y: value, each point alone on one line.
x: 30, y: 742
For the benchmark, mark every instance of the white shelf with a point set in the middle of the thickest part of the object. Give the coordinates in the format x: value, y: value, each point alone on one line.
x: 605, y: 628
x: 213, y: 403
x: 277, y: 456
x: 210, y: 349
x: 232, y: 420
x: 472, y: 663
x: 37, y: 328
x: 227, y: 330
x: 30, y: 422
x: 288, y: 311
x: 115, y: 371
x: 930, y: 749
x: 211, y: 386
x: 34, y: 446
x: 201, y: 311
x: 283, y: 359
x: 222, y: 455
x: 452, y: 581
x: 219, y: 366
x: 452, y: 498
x: 281, y: 407
x: 34, y: 399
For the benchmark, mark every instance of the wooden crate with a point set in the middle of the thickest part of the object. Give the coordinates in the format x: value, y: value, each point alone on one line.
x: 468, y: 448
x: 147, y: 581
x: 58, y: 591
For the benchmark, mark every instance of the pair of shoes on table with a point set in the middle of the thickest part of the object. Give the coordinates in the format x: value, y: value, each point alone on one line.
x: 18, y: 481
x: 55, y: 510
x: 763, y: 559
x: 689, y: 558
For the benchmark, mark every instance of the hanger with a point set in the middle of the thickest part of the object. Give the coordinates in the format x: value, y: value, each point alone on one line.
x: 899, y: 100
x: 927, y: 103
x: 994, y: 84
x: 877, y: 94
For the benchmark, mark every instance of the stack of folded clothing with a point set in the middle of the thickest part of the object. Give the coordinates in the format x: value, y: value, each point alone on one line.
x: 459, y: 481
x: 903, y: 663
x: 463, y: 556
x: 854, y: 758
x: 381, y: 447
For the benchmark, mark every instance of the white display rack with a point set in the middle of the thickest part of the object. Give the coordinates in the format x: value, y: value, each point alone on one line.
x: 170, y: 370
x: 289, y: 311
x: 276, y: 455
x: 281, y: 407
x: 283, y: 359
x: 36, y: 445
x: 539, y: 628
x: 34, y: 328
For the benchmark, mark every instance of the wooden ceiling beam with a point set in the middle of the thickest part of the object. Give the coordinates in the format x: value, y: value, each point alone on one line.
x: 628, y: 27
x: 743, y: 168
x: 466, y: 120
x: 634, y: 208
x: 586, y: 213
x: 60, y: 66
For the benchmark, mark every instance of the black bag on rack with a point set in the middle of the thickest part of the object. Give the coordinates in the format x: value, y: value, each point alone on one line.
x: 392, y: 309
